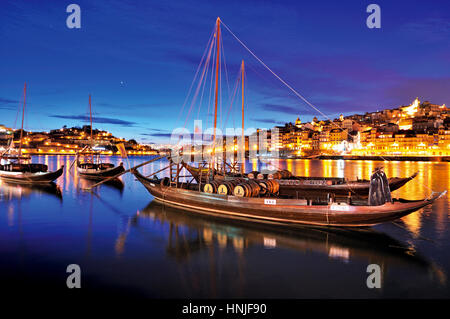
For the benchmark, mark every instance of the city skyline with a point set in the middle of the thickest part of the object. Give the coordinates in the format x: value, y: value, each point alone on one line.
x: 139, y: 73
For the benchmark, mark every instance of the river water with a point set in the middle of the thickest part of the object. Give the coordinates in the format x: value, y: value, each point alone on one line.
x: 128, y: 245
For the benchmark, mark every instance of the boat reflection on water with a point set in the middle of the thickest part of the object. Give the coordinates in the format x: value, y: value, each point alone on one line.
x: 116, y: 184
x: 9, y: 191
x: 189, y: 233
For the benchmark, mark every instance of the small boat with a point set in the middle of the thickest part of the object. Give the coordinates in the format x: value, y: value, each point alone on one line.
x: 23, y: 173
x: 18, y: 169
x: 98, y: 171
x: 92, y: 167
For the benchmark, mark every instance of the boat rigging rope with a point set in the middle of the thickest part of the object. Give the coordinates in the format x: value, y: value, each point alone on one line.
x: 196, y: 74
x: 276, y: 75
x: 202, y: 77
x: 238, y: 80
x: 284, y: 82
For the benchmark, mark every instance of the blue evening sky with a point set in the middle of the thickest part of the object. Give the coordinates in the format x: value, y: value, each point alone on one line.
x: 138, y: 58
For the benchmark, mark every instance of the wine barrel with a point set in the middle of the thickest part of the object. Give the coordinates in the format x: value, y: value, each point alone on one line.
x: 248, y: 189
x: 261, y: 176
x: 252, y: 175
x: 211, y: 187
x: 274, y: 186
x: 264, y: 187
x: 277, y: 175
x: 240, y: 190
x: 283, y: 174
x: 269, y: 187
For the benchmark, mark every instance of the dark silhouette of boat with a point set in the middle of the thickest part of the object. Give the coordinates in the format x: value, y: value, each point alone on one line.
x: 98, y: 171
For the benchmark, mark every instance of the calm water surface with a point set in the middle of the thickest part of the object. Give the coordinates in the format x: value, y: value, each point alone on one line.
x: 126, y: 242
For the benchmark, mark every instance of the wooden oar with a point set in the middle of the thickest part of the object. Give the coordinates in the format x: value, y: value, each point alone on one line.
x: 128, y: 170
x: 73, y: 162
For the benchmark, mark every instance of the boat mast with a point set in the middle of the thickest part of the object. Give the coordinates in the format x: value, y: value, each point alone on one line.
x: 242, y: 136
x: 90, y: 118
x: 23, y: 115
x: 213, y: 153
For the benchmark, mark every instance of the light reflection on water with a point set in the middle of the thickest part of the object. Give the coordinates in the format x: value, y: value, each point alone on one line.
x: 122, y: 238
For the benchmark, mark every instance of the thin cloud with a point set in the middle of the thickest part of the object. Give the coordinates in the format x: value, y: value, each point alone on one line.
x: 268, y: 121
x: 282, y: 109
x: 7, y: 101
x: 105, y: 120
x: 7, y: 104
x: 159, y: 135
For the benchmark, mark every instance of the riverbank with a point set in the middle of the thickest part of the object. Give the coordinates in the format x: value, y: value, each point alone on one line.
x: 375, y: 158
x: 319, y: 157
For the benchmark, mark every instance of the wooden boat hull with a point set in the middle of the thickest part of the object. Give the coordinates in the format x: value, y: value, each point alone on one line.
x: 281, y: 211
x: 31, y: 178
x: 100, y: 174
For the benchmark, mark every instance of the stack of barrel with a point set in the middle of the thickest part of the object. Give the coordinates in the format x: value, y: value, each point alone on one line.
x: 222, y: 187
x: 227, y: 187
x: 243, y: 188
x: 280, y: 174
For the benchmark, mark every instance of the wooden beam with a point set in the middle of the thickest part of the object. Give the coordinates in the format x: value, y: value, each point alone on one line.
x: 159, y: 171
x: 127, y: 171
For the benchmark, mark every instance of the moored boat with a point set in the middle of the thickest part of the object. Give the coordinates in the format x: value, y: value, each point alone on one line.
x: 22, y: 173
x: 18, y: 169
x: 91, y: 167
x: 98, y: 171
x: 211, y: 190
x: 277, y: 210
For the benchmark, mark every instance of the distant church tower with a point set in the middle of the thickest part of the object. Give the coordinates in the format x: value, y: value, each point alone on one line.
x: 341, y: 118
x: 298, y: 123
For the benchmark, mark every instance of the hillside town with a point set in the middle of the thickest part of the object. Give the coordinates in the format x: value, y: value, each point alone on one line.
x: 67, y: 141
x: 419, y: 129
